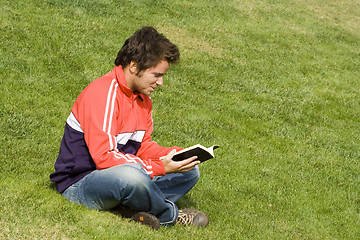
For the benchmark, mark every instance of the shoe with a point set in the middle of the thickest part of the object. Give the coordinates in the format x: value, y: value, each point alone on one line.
x: 192, y: 217
x: 141, y: 217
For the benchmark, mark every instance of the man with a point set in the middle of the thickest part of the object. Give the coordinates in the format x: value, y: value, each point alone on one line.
x: 107, y: 159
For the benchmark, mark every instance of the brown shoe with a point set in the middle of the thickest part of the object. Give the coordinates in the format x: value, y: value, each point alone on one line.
x: 192, y: 217
x: 141, y: 217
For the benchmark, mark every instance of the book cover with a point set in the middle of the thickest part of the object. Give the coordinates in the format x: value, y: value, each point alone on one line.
x: 198, y: 150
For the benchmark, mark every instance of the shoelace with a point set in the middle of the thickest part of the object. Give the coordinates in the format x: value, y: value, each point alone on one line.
x: 184, y: 218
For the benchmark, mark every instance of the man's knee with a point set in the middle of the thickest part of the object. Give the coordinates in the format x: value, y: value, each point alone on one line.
x: 130, y: 177
x: 195, y: 173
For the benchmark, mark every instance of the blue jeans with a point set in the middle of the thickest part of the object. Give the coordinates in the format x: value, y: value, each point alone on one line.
x: 129, y: 185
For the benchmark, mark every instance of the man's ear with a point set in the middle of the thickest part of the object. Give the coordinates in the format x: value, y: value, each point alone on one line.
x: 133, y: 67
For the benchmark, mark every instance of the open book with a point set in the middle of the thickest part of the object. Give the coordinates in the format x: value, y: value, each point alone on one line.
x: 198, y: 150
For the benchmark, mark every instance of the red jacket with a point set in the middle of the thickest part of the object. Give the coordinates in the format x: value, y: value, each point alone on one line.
x: 109, y: 125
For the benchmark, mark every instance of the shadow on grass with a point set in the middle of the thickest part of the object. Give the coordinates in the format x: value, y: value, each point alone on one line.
x: 52, y: 186
x: 186, y: 202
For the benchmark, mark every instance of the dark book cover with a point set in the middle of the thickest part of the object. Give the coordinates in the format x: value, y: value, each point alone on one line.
x: 198, y: 150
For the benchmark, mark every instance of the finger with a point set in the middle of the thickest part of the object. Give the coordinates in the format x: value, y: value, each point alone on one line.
x: 188, y: 160
x: 189, y: 166
x: 187, y: 169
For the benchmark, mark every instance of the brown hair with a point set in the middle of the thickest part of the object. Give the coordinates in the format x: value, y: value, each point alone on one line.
x: 147, y: 48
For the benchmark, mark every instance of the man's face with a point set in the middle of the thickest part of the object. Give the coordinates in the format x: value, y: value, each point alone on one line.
x: 148, y: 80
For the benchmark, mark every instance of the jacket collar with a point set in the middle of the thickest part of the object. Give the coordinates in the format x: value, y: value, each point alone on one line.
x: 120, y: 78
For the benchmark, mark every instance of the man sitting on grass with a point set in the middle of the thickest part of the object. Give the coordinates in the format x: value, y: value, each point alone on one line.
x: 107, y: 159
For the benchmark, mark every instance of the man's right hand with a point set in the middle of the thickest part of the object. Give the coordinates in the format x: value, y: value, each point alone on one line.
x: 178, y: 166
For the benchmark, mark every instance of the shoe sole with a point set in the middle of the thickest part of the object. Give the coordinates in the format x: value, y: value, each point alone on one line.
x: 146, y: 219
x: 140, y: 217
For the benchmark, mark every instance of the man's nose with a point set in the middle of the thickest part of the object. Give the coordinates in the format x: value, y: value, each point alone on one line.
x: 159, y: 81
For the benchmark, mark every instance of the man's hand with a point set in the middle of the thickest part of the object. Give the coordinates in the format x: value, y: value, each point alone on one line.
x: 178, y: 166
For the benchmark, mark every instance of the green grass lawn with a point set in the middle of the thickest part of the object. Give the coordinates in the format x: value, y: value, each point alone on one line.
x: 275, y: 83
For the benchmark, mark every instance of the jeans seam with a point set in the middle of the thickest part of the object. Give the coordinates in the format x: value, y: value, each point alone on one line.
x: 175, y: 214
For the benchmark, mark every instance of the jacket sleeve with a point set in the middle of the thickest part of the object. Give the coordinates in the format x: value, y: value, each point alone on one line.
x: 95, y: 109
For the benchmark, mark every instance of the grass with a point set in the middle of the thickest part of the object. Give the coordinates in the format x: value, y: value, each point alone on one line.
x: 275, y: 83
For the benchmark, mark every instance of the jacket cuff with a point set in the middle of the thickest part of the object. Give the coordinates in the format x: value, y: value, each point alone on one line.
x: 158, y: 168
